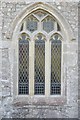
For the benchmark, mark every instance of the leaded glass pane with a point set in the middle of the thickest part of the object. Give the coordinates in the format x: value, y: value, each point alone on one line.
x: 32, y: 24
x: 48, y: 24
x: 23, y: 65
x: 39, y: 66
x: 55, y: 66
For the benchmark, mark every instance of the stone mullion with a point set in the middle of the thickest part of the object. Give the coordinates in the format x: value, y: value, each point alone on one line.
x: 31, y: 67
x: 55, y: 26
x: 40, y: 26
x: 47, y: 67
x: 24, y: 26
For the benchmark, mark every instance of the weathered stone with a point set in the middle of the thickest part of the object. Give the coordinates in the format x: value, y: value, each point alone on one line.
x: 35, y: 107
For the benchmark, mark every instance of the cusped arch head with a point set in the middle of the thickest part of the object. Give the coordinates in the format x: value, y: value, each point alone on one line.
x: 56, y: 36
x: 66, y: 28
x: 41, y: 36
x: 23, y: 35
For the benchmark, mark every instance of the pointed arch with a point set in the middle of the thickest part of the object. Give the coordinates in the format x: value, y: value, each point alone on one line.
x: 66, y: 29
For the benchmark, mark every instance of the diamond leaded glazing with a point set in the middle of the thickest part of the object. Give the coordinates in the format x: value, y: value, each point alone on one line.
x: 39, y: 22
x: 23, y: 65
x: 32, y: 24
x: 39, y: 66
x: 48, y: 24
x: 55, y: 65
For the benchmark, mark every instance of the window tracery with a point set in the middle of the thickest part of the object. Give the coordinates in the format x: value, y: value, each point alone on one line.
x: 40, y: 21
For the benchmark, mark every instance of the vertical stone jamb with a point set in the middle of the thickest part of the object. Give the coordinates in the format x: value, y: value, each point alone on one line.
x: 0, y: 61
x: 79, y: 60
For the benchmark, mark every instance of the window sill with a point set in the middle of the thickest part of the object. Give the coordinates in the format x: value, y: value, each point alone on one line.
x: 22, y: 100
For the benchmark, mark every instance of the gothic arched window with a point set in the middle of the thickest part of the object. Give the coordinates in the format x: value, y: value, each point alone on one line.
x: 40, y: 51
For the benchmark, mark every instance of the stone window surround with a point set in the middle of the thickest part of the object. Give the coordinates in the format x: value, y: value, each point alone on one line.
x: 31, y: 38
x: 67, y: 33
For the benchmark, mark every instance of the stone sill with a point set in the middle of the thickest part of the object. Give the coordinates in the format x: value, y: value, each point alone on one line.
x: 22, y: 100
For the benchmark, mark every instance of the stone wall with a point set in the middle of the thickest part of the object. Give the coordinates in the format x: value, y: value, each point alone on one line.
x: 79, y: 59
x: 8, y: 11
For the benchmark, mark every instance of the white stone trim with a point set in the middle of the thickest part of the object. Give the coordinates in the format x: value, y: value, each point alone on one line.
x: 66, y: 32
